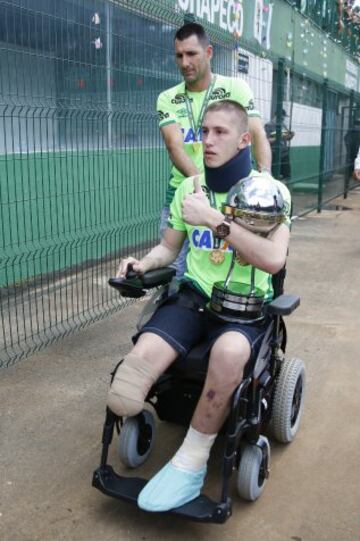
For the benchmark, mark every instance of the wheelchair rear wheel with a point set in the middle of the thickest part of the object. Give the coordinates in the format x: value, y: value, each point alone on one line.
x: 288, y: 400
x: 253, y: 470
x: 136, y: 439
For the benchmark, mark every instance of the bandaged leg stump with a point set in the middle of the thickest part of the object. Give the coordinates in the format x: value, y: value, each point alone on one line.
x: 131, y: 383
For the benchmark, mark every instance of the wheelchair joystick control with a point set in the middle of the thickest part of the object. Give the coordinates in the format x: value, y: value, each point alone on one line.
x: 130, y: 286
x: 131, y: 274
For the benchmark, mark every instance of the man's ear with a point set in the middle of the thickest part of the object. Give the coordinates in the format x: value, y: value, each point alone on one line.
x: 244, y: 140
x: 209, y: 52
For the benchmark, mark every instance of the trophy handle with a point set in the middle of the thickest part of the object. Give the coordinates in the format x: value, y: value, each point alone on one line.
x: 252, y: 280
x: 231, y: 268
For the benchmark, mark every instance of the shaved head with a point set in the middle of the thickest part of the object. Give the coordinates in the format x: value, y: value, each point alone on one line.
x: 235, y: 109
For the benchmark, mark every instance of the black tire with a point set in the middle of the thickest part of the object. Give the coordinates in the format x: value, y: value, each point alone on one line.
x: 136, y: 439
x: 288, y: 400
x: 253, y: 470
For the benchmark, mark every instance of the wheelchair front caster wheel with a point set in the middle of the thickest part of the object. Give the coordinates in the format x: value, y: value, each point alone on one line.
x: 253, y: 470
x: 288, y: 400
x: 136, y: 439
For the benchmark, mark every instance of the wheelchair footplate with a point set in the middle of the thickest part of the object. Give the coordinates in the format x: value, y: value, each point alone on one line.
x: 201, y: 509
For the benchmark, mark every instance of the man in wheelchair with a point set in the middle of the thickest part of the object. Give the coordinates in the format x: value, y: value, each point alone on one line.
x: 217, y: 243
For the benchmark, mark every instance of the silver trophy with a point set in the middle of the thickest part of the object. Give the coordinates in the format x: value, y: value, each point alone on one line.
x: 257, y: 204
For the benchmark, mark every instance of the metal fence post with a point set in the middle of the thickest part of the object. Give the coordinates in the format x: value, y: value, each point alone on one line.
x: 279, y: 108
x: 109, y: 44
x: 348, y: 167
x: 323, y: 141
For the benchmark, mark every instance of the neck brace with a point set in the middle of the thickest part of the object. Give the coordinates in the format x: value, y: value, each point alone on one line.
x: 221, y: 179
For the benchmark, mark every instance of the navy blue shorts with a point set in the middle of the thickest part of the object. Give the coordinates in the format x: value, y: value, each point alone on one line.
x: 183, y: 328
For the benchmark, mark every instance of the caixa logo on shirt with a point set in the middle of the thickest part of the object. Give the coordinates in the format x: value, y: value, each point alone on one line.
x: 219, y: 94
x: 204, y: 240
x: 189, y: 135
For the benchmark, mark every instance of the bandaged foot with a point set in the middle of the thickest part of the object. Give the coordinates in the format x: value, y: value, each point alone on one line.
x: 171, y: 488
x: 182, y: 479
x: 131, y: 384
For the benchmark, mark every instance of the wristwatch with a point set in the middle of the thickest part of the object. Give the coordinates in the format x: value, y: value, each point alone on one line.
x: 223, y: 229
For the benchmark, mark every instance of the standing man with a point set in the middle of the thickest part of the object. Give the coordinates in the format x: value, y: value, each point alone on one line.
x: 357, y: 166
x: 286, y: 136
x: 352, y: 143
x: 181, y: 111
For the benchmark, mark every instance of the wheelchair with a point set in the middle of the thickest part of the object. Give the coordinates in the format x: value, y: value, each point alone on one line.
x: 270, y: 398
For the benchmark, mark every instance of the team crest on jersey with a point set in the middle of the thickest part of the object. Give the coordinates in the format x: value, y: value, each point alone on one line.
x: 182, y: 113
x: 179, y: 98
x: 219, y: 94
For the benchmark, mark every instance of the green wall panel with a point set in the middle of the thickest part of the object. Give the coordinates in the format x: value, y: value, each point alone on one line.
x: 305, y: 163
x: 85, y: 205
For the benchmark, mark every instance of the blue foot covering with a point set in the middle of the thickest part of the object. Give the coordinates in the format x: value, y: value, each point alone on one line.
x: 171, y: 488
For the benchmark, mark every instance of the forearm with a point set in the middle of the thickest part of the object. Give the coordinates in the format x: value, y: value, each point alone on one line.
x: 260, y: 145
x: 262, y: 253
x: 160, y: 256
x: 262, y: 151
x: 182, y: 161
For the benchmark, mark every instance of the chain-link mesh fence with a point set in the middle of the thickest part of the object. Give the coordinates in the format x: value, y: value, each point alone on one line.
x: 83, y: 169
x: 315, y: 137
x: 339, y: 19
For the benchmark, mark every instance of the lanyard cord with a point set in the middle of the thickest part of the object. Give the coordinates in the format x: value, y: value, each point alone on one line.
x: 195, y: 126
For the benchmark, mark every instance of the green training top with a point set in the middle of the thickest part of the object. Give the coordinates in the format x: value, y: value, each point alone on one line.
x: 200, y: 270
x: 171, y: 107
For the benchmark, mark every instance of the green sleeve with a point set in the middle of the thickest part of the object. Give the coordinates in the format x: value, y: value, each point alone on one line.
x: 244, y: 95
x: 175, y: 219
x: 165, y: 110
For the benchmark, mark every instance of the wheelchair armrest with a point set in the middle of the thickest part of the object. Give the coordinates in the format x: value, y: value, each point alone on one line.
x: 135, y: 285
x: 283, y: 305
x: 157, y: 277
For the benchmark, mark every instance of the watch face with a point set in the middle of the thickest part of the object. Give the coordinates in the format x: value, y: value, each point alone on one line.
x: 223, y: 230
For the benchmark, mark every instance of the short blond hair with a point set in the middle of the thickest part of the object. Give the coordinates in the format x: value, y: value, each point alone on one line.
x: 231, y: 106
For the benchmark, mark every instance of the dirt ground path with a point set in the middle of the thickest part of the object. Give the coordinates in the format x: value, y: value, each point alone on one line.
x: 52, y: 413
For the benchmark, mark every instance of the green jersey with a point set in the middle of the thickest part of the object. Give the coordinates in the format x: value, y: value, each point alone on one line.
x: 201, y: 269
x: 178, y: 105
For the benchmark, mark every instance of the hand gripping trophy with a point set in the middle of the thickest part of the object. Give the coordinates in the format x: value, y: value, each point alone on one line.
x: 257, y: 204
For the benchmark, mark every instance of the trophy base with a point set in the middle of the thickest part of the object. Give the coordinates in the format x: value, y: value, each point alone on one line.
x: 236, y: 303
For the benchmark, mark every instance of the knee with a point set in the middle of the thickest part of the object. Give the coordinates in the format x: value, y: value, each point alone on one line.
x: 227, y: 364
x: 130, y: 385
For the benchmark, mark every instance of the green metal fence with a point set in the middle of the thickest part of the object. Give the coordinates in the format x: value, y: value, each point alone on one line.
x: 325, y: 120
x: 83, y: 170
